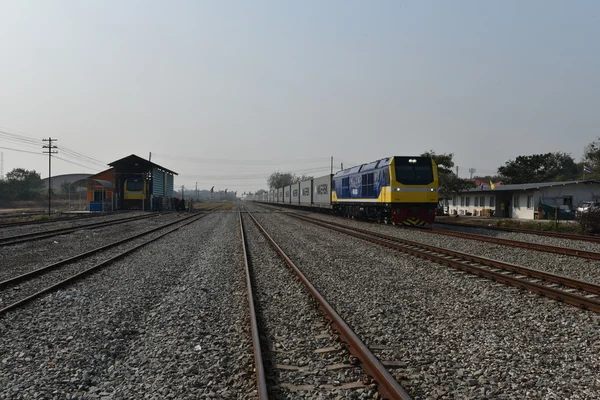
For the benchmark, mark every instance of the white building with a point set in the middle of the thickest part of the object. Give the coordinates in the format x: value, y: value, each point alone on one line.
x: 523, y: 199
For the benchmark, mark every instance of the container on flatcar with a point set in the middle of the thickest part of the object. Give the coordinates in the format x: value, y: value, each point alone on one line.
x: 306, y: 192
x: 295, y: 193
x: 322, y: 191
x: 287, y: 194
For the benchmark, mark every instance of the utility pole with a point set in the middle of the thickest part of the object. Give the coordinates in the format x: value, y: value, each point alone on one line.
x: 150, y: 156
x: 457, y: 170
x: 471, y: 171
x: 196, y: 191
x: 1, y: 166
x: 331, y: 165
x: 50, y: 146
x: 342, y: 166
x: 182, y: 195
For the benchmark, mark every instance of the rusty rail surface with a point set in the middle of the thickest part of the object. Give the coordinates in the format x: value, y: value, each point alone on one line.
x: 590, y: 255
x: 469, y: 263
x: 90, y: 270
x: 572, y: 236
x: 261, y: 380
x: 387, y: 386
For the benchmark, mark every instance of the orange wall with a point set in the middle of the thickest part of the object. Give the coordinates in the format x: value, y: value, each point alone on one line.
x: 108, y: 175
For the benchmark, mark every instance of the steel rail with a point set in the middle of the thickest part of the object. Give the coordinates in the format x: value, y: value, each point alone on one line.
x: 589, y: 287
x: 92, y: 269
x: 387, y: 386
x: 572, y: 236
x: 42, y: 270
x: 261, y: 378
x: 590, y: 255
x: 453, y: 259
x: 28, y: 237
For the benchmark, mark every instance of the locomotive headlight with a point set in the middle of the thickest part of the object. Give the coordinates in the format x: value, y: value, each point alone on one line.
x: 412, y: 160
x: 433, y: 189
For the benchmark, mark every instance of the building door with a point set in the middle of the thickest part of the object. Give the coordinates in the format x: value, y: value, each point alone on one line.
x: 99, y: 195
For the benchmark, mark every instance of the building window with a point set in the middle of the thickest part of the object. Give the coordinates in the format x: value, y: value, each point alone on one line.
x: 492, y: 201
x: 462, y: 200
x: 482, y: 201
x: 454, y: 203
x: 530, y: 202
x: 476, y: 204
x: 468, y: 201
x: 516, y: 201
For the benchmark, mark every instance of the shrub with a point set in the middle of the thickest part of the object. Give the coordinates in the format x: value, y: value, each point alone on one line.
x: 590, y: 221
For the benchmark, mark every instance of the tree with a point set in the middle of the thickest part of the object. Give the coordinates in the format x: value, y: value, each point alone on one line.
x: 488, y: 178
x: 591, y: 159
x: 280, y: 179
x: 450, y: 183
x: 6, y: 194
x: 298, y: 179
x: 259, y: 192
x: 26, y: 185
x: 548, y: 167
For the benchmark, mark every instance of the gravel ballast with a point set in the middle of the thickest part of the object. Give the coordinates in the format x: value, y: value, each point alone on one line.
x: 573, y: 267
x: 526, y: 237
x: 170, y: 321
x: 31, y: 228
x: 460, y: 336
x: 24, y: 257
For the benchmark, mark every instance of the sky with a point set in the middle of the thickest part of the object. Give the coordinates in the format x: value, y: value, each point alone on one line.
x: 226, y: 92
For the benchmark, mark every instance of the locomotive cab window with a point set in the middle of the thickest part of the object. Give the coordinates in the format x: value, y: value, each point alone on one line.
x: 414, y: 170
x: 134, y: 185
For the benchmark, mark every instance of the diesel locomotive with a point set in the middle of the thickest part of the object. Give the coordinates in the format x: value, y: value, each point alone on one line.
x: 399, y: 190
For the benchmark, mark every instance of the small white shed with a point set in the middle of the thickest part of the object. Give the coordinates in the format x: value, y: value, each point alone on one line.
x: 523, y: 198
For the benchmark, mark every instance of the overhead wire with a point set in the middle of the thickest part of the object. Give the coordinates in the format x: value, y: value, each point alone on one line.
x: 69, y: 153
x: 235, y: 161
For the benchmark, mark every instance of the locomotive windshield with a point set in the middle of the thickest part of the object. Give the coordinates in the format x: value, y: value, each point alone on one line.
x: 414, y: 170
x: 134, y: 185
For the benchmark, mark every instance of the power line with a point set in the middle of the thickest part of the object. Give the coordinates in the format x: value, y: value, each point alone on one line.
x: 235, y: 161
x: 32, y: 142
x: 21, y: 151
x: 73, y: 162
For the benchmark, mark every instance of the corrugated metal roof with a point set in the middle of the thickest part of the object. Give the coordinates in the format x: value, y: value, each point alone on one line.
x: 530, y: 186
x: 137, y: 159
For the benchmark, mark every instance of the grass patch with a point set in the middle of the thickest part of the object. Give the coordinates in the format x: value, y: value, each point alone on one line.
x: 538, y: 225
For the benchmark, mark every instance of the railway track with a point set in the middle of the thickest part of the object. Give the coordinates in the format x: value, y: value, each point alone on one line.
x: 377, y: 373
x: 593, y: 239
x: 49, y: 220
x: 590, y: 255
x: 27, y: 237
x: 12, y: 288
x: 578, y: 293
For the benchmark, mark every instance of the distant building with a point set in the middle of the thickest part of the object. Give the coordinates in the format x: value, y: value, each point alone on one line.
x: 58, y: 180
x: 524, y: 200
x: 132, y: 183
